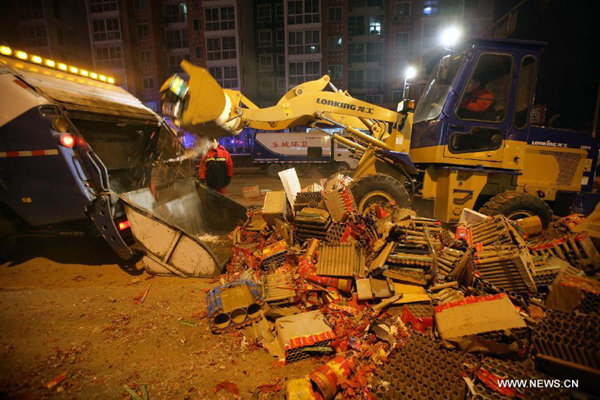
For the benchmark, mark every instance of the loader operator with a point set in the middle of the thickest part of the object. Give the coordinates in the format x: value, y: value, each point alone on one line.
x: 216, y: 168
x: 476, y: 100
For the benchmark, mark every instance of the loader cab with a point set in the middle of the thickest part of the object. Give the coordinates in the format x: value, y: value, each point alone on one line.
x: 476, y: 105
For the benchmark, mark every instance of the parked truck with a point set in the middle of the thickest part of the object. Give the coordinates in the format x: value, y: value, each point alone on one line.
x: 306, y: 151
x: 80, y: 154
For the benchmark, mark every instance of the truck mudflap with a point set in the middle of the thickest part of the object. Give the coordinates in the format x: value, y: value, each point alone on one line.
x: 182, y: 227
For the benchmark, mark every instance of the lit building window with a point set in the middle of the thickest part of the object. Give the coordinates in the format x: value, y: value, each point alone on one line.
x: 304, y: 42
x: 430, y: 7
x: 334, y: 43
x: 375, y: 24
x: 402, y: 8
x: 175, y: 13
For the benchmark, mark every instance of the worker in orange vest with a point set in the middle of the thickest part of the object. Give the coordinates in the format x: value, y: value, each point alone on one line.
x: 216, y: 168
x: 477, y: 99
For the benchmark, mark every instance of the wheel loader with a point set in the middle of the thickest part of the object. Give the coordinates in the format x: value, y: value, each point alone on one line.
x: 445, y: 152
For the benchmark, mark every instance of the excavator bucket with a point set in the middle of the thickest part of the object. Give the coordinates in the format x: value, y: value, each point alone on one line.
x: 182, y: 227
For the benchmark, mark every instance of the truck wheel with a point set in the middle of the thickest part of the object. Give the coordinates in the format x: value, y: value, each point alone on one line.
x: 517, y: 205
x: 274, y: 170
x: 342, y: 167
x: 379, y: 188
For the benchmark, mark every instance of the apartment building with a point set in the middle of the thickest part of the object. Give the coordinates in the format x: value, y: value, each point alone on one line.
x: 111, y: 40
x: 270, y: 51
x: 52, y: 29
x: 142, y: 42
x: 366, y: 45
x: 229, y: 35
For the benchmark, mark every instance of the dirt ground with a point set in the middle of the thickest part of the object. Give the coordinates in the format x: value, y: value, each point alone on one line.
x: 69, y: 305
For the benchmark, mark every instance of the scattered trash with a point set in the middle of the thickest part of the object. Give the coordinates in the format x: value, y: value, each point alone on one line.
x: 251, y: 192
x: 186, y: 323
x: 228, y: 387
x: 398, y: 303
x: 56, y: 380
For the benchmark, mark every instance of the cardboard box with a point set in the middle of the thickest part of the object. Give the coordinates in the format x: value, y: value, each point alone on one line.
x: 475, y: 315
x: 274, y: 206
x: 250, y: 192
x: 302, y: 330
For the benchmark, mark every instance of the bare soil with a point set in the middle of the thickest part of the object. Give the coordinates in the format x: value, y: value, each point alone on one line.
x: 70, y: 305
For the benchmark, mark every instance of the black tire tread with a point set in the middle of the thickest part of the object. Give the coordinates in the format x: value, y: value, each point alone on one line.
x: 380, y: 181
x: 504, y: 203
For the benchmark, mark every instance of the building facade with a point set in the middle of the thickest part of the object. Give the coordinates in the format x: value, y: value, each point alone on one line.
x: 142, y: 42
x: 365, y: 46
x: 52, y: 29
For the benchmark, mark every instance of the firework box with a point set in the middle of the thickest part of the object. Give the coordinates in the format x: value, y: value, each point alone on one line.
x: 477, y: 314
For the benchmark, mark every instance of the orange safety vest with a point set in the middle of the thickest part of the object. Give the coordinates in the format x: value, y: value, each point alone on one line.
x: 478, y: 100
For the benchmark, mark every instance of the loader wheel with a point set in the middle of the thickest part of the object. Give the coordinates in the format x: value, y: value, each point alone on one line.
x: 379, y: 188
x: 517, y: 205
x: 274, y: 170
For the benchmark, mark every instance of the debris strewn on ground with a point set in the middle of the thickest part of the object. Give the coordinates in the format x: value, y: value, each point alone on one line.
x: 396, y: 305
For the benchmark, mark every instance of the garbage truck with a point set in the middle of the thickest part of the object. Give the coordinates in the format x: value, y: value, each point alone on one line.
x: 468, y: 143
x: 80, y: 154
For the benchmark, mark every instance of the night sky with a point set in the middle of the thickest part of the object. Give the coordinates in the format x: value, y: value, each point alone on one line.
x: 570, y: 68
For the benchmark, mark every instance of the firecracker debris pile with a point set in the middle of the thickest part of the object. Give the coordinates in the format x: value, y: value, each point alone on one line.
x: 397, y: 306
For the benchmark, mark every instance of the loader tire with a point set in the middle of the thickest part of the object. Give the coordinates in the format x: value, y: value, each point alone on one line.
x: 517, y: 205
x: 379, y: 188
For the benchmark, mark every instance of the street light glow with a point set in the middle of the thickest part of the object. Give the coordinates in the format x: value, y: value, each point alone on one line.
x: 451, y: 36
x: 410, y: 72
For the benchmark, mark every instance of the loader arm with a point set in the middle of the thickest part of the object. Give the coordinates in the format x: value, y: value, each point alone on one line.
x: 209, y: 110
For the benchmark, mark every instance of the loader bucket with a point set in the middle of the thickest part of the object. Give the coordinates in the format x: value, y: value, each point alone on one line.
x: 208, y: 108
x: 182, y: 227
